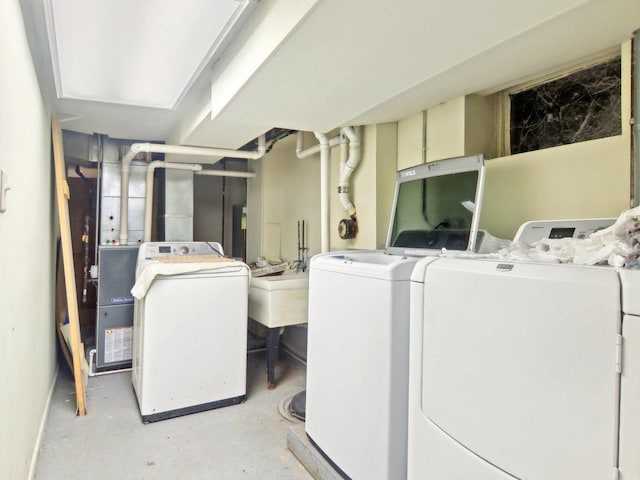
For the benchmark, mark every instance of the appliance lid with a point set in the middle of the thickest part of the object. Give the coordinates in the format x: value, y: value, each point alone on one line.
x: 365, y: 263
x: 436, y: 206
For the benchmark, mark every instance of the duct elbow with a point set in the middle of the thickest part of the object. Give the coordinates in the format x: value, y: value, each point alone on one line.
x: 322, y: 138
x: 350, y: 133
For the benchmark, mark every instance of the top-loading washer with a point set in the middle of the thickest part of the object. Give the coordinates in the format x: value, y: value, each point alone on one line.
x: 189, y: 329
x: 524, y: 370
x: 358, y: 322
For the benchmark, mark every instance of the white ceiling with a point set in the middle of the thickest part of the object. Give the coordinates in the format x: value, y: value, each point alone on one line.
x: 110, y: 60
x: 320, y: 64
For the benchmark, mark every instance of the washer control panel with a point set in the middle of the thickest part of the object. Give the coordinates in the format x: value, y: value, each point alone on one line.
x: 152, y: 250
x: 536, y: 230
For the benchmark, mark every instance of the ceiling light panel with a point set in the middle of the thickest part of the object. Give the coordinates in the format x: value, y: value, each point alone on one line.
x: 144, y: 53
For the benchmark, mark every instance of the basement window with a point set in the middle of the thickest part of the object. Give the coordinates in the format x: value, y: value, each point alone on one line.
x: 579, y: 106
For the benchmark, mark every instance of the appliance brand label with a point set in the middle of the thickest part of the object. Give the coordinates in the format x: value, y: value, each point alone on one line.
x: 122, y: 300
x: 504, y: 267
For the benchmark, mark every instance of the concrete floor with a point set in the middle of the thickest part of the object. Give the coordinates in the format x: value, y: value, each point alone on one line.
x: 246, y: 441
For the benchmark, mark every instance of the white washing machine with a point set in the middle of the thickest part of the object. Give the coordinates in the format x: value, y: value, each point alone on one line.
x: 524, y: 371
x: 189, y: 329
x: 358, y: 322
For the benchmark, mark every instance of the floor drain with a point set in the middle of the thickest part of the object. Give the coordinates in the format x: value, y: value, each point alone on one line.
x: 284, y: 408
x: 293, y: 408
x: 299, y: 404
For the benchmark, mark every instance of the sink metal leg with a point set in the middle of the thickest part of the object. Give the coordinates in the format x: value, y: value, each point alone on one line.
x: 273, y: 341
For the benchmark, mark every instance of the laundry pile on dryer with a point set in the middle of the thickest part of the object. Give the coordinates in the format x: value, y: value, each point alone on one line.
x: 617, y: 245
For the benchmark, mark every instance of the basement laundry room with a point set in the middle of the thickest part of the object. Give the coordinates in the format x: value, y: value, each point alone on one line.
x: 313, y: 239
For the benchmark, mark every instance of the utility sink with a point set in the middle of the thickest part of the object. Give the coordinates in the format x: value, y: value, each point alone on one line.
x: 275, y: 302
x: 279, y: 300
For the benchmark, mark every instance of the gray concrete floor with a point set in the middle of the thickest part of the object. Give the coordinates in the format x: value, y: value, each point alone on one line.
x: 246, y: 441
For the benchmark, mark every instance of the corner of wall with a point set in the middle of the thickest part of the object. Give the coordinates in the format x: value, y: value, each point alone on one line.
x: 254, y: 212
x: 445, y: 130
x: 386, y: 168
x: 410, y: 138
x: 480, y: 125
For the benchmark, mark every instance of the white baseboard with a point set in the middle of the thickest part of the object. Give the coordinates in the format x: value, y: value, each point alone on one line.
x: 43, y: 425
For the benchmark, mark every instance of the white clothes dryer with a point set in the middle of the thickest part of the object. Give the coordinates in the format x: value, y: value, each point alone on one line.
x: 523, y: 370
x: 189, y: 329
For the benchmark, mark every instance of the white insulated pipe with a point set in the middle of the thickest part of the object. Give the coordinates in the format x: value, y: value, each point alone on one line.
x: 137, y: 148
x: 347, y: 168
x: 325, y: 150
x: 148, y: 191
x: 304, y: 153
x: 226, y: 173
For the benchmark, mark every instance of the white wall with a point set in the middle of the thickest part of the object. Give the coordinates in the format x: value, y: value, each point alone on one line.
x: 287, y: 189
x: 27, y: 336
x: 589, y: 179
x: 445, y: 130
x: 411, y: 131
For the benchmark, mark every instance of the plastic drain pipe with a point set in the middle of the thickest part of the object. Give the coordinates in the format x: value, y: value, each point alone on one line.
x: 333, y: 141
x: 148, y: 190
x: 226, y: 173
x: 137, y: 148
x: 324, y: 148
x: 347, y: 169
x: 325, y: 151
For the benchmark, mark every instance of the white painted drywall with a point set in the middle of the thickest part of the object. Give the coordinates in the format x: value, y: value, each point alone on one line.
x: 285, y: 190
x: 410, y: 137
x: 27, y: 258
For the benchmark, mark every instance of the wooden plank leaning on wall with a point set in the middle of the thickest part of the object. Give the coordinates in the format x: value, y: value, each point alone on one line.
x: 62, y: 196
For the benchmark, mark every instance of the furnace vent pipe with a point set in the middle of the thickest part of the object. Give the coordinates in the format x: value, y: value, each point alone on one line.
x: 137, y: 148
x: 148, y: 191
